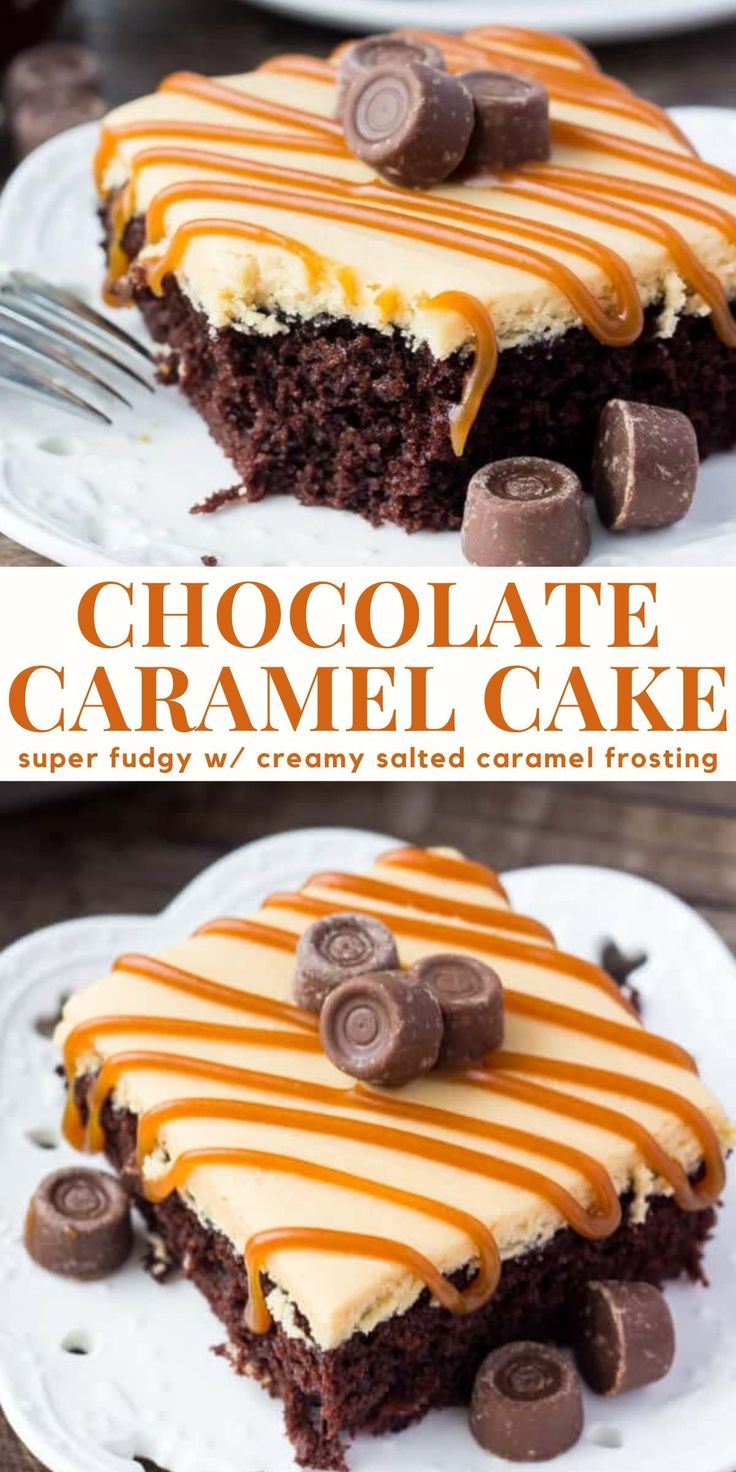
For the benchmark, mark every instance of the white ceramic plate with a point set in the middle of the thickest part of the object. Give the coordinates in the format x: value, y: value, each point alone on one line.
x: 89, y: 496
x: 149, y: 1385
x: 589, y: 20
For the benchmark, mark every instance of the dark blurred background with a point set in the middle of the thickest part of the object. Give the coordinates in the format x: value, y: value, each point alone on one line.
x: 137, y: 41
x: 131, y: 847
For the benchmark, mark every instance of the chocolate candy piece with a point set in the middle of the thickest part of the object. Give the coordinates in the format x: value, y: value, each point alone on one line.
x: 78, y: 1224
x: 335, y: 948
x: 385, y: 1028
x: 511, y: 121
x: 411, y: 122
x: 41, y: 115
x: 384, y: 50
x: 471, y: 1001
x: 625, y: 1336
x: 645, y: 466
x: 526, y: 1404
x: 525, y: 513
x: 57, y: 64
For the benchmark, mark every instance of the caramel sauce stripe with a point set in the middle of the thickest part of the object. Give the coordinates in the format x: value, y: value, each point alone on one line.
x: 262, y: 1244
x: 492, y: 916
x: 309, y: 907
x: 333, y: 200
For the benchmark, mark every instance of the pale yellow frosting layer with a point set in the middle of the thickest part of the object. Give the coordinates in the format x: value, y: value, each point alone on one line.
x: 339, y: 1294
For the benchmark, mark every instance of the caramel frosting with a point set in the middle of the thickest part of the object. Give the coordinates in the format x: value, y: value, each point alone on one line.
x: 347, y: 1200
x: 254, y: 204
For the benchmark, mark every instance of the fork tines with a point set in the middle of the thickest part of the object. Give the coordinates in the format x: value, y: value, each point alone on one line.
x: 51, y: 343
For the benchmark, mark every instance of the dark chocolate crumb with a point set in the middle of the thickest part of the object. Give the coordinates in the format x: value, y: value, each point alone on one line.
x: 209, y: 561
x: 218, y: 499
x: 620, y: 966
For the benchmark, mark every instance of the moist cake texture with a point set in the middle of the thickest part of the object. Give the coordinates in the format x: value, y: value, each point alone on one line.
x: 285, y: 277
x: 339, y: 1229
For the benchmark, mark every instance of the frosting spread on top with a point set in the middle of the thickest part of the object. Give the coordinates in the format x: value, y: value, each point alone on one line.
x: 350, y: 1198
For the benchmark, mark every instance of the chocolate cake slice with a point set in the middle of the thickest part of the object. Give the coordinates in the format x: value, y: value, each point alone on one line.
x: 365, y: 1246
x: 368, y: 346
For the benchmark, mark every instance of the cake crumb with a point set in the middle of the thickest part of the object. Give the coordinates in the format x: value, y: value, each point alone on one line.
x: 218, y: 499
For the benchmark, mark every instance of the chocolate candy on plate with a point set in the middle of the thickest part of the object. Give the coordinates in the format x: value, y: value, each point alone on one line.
x: 625, y: 1336
x: 525, y: 512
x: 645, y: 466
x: 55, y: 64
x: 78, y: 1224
x: 526, y: 1404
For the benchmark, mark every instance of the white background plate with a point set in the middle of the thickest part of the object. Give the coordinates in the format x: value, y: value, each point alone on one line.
x: 150, y: 1387
x: 589, y: 20
x: 88, y: 496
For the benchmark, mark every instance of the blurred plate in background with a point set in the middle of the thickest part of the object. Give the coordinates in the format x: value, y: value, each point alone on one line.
x: 589, y: 20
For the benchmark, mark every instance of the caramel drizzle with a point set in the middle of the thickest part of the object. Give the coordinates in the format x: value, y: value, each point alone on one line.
x: 415, y: 927
x: 111, y: 138
x: 261, y: 1245
x: 690, y: 1198
x: 594, y: 1225
x: 359, y: 1097
x: 584, y: 90
x: 573, y: 1019
x: 630, y: 316
x: 190, y: 84
x: 83, y: 1037
x: 331, y: 200
x: 693, y: 170
x: 398, y: 894
x: 150, y: 968
x: 445, y: 866
x: 701, y: 281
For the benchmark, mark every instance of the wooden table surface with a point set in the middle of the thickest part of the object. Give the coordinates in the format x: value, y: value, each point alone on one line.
x: 131, y: 848
x: 139, y: 40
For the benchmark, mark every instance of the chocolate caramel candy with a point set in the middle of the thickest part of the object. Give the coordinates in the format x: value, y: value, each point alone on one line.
x: 409, y: 121
x: 385, y: 1028
x: 525, y: 512
x: 389, y: 49
x: 625, y: 1336
x: 41, y: 115
x: 511, y: 122
x: 78, y: 1224
x: 470, y: 995
x: 645, y: 466
x: 335, y: 948
x: 526, y: 1404
x: 56, y: 64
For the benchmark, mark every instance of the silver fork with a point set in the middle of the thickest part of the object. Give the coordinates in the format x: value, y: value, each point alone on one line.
x: 55, y: 347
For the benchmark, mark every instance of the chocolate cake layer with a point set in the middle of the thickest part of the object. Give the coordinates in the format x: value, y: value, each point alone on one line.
x: 425, y: 1358
x: 346, y: 416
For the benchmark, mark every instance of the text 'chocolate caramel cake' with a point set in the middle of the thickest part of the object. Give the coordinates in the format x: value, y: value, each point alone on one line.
x: 363, y: 344
x: 366, y: 1246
